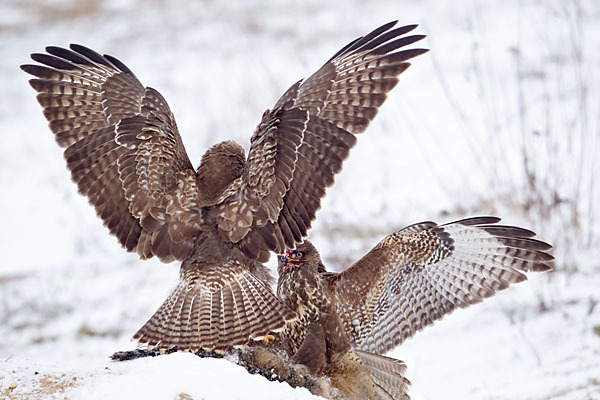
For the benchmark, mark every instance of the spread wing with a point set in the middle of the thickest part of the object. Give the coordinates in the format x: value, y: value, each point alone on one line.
x: 301, y: 143
x: 122, y: 148
x: 417, y: 275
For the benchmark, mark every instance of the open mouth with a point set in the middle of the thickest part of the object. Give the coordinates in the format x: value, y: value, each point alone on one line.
x: 288, y: 261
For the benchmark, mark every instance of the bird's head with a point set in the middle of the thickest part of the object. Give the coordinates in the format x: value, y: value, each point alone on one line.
x: 305, y: 255
x: 291, y: 259
x: 221, y: 164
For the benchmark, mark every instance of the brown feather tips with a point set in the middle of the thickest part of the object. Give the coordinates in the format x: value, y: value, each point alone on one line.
x: 225, y: 306
x: 353, y: 83
x: 419, y: 274
x: 299, y: 145
x: 122, y: 148
x: 517, y: 242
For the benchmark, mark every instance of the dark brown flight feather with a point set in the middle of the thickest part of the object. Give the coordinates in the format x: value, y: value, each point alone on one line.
x: 126, y: 155
x: 409, y: 280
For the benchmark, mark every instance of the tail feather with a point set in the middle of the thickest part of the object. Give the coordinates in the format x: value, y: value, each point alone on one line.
x: 202, y: 331
x: 239, y: 309
x: 263, y: 308
x: 214, y: 314
x: 173, y: 324
x: 215, y: 319
x: 228, y: 318
x: 186, y: 315
x: 155, y: 328
x: 192, y: 333
x: 252, y: 311
x: 387, y: 375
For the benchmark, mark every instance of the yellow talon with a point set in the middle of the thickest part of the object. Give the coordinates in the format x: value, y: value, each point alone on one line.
x: 267, y: 338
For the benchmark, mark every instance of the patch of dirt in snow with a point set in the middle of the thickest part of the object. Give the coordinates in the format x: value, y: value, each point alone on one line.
x: 21, y: 385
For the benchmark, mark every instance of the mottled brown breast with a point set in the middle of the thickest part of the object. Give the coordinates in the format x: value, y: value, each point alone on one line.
x: 306, y: 294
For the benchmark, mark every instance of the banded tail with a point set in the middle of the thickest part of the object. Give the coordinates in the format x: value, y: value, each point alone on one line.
x: 214, y: 310
x: 387, y: 375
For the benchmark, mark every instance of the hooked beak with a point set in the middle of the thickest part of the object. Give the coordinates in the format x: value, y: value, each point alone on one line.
x: 288, y: 255
x: 287, y: 261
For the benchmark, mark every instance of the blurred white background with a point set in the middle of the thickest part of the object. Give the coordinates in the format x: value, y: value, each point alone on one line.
x: 502, y: 117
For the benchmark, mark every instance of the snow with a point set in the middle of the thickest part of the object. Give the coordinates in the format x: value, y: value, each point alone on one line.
x: 511, y: 349
x: 70, y: 296
x: 179, y: 376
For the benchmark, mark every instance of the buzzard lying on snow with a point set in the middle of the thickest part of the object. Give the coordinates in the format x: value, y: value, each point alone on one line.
x: 409, y: 280
x: 125, y: 153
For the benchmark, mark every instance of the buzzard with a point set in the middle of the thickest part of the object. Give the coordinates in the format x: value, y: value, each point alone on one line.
x: 318, y: 339
x: 410, y: 279
x: 223, y: 218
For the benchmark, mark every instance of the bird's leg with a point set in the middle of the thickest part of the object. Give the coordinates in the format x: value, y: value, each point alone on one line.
x: 313, y: 351
x: 336, y: 339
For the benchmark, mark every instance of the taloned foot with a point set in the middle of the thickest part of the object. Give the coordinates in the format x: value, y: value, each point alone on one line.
x: 267, y: 339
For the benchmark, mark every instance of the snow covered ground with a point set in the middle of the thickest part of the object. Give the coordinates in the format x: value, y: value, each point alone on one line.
x: 70, y: 296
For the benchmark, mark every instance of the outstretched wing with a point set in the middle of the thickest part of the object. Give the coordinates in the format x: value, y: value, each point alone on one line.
x: 300, y: 145
x: 122, y: 148
x: 417, y: 275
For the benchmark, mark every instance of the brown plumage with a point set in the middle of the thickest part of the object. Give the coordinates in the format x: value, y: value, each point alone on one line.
x: 125, y: 154
x: 318, y: 339
x: 412, y: 278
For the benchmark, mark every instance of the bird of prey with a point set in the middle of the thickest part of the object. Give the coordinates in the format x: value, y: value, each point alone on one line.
x: 412, y: 278
x: 223, y: 218
x: 318, y: 341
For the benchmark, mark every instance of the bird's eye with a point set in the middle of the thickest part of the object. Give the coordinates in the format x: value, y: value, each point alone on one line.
x: 298, y: 255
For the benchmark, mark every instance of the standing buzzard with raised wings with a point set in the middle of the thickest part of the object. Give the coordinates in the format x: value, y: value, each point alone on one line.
x: 409, y: 280
x: 125, y: 154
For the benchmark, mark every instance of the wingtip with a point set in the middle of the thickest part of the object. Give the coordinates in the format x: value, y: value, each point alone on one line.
x: 38, y: 57
x: 407, y: 28
x: 26, y: 67
x: 388, y: 25
x: 492, y: 218
x: 544, y: 246
x: 480, y: 221
x: 76, y: 47
x: 418, y: 52
x: 117, y: 63
x: 542, y: 267
x: 50, y: 49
